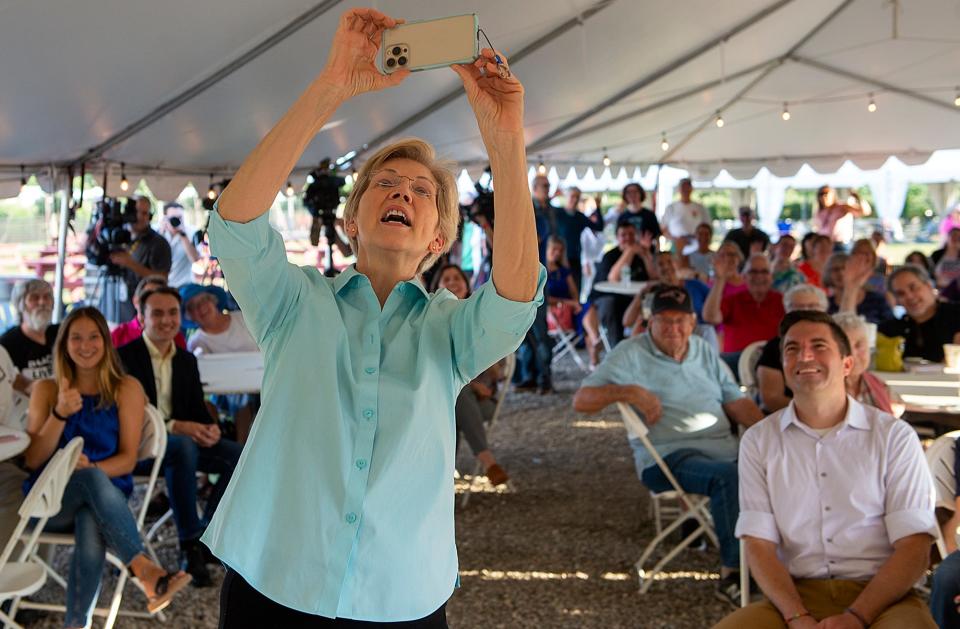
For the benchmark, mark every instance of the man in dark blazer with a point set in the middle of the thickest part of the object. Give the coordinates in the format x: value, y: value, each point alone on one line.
x: 171, y: 380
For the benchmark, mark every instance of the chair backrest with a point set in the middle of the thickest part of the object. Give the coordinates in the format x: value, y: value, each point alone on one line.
x: 45, y: 497
x: 747, y: 367
x: 506, y: 377
x: 153, y: 445
x: 940, y: 458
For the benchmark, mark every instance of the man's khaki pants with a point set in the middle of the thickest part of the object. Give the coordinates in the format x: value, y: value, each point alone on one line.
x: 828, y: 597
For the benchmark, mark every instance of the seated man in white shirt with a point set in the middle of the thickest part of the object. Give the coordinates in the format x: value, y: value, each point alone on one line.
x: 221, y: 332
x: 11, y: 475
x: 836, y: 504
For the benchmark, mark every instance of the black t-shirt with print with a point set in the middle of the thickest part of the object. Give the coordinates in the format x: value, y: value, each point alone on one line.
x: 35, y: 361
x: 926, y: 339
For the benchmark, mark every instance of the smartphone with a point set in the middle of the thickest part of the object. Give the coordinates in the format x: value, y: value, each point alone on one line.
x: 428, y: 44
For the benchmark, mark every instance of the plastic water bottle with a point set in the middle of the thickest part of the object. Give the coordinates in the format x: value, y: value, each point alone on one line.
x: 625, y: 276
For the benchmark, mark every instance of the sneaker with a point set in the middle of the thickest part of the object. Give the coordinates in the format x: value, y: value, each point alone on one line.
x: 728, y: 590
x: 193, y: 562
x: 527, y: 386
x: 497, y: 475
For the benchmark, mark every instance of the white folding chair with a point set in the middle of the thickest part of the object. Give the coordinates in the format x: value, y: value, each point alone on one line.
x: 510, y: 363
x: 696, y: 506
x: 566, y: 341
x: 24, y: 577
x: 153, y: 445
x: 940, y: 457
x: 747, y: 367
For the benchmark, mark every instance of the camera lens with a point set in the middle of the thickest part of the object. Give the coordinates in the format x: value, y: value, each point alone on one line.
x: 391, y: 62
x: 396, y: 50
x: 402, y: 61
x: 175, y: 221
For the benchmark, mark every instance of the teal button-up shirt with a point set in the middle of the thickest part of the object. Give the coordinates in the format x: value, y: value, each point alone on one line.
x: 342, y: 503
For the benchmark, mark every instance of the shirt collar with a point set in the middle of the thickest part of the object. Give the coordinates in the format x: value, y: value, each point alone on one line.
x: 155, y: 352
x: 344, y: 279
x: 656, y: 351
x: 856, y: 416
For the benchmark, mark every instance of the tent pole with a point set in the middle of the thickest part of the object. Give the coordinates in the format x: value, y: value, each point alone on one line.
x: 889, y: 87
x: 788, y: 55
x: 660, y: 72
x: 218, y: 75
x: 62, y: 241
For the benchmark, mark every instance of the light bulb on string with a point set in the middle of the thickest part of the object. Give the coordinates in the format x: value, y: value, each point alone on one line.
x: 606, y: 158
x: 211, y: 191
x: 664, y: 145
x: 719, y: 121
x: 786, y: 113
x: 290, y: 189
x: 872, y: 105
x: 23, y: 177
x: 124, y: 183
x: 541, y: 167
x: 956, y: 99
x: 354, y: 175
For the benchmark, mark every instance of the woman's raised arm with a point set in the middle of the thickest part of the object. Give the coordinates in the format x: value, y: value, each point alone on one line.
x: 496, y: 96
x: 350, y: 70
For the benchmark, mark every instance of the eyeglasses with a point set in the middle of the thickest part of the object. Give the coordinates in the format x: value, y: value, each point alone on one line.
x: 421, y: 186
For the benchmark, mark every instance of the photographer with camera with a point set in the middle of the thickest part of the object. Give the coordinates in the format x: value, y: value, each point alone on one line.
x: 179, y: 236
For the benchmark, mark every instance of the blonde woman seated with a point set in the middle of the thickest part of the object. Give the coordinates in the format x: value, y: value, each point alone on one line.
x: 862, y: 385
x: 91, y: 397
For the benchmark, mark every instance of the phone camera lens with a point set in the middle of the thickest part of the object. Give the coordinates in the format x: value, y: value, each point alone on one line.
x: 396, y: 50
x: 402, y: 61
x: 391, y: 62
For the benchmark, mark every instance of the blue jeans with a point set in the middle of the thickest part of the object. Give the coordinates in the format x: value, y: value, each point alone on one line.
x: 946, y: 585
x: 535, y: 355
x: 699, y: 474
x: 97, y: 514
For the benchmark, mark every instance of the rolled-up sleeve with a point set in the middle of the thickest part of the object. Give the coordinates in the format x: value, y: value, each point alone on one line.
x: 756, y: 513
x: 910, y: 492
x: 486, y: 327
x: 254, y: 262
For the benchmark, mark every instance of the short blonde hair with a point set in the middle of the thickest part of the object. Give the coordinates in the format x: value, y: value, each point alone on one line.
x: 448, y: 208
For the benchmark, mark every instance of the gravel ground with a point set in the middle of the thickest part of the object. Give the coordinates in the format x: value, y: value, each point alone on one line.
x: 554, y: 549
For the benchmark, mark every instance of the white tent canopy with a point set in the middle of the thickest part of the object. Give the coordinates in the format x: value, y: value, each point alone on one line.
x: 179, y: 91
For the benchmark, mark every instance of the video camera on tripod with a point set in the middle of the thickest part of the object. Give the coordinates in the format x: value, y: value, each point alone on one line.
x: 108, y: 232
x: 321, y: 199
x: 481, y: 210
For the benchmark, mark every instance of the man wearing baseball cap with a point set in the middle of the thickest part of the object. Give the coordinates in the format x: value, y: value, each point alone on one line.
x: 687, y: 397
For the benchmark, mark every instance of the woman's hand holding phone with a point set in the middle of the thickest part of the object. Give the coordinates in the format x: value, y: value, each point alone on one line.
x: 494, y: 93
x: 351, y: 65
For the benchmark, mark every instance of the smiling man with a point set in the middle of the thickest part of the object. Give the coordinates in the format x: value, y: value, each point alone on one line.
x: 836, y: 506
x: 687, y: 398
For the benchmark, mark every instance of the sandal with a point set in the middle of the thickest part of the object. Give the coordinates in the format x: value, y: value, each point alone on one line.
x: 165, y: 589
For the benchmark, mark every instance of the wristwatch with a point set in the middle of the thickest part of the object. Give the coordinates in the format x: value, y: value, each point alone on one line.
x: 53, y: 411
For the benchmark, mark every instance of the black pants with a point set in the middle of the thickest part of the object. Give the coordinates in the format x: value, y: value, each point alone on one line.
x: 241, y: 607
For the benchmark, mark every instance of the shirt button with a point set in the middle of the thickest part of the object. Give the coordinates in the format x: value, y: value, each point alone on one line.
x: 826, y: 508
x: 368, y: 413
x: 351, y: 518
x: 361, y: 463
x: 829, y: 540
x: 823, y: 473
x: 370, y: 370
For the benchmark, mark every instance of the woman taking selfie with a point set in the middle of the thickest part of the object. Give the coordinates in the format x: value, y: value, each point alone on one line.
x: 90, y: 397
x: 341, y: 509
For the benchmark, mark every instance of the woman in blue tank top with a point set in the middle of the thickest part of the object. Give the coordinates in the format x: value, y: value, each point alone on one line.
x: 91, y: 397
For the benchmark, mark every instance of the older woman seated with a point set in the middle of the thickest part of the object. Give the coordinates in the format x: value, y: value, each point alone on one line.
x: 477, y: 401
x: 862, y: 385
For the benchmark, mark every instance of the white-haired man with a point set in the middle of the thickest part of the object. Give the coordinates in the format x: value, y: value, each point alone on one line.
x: 30, y: 344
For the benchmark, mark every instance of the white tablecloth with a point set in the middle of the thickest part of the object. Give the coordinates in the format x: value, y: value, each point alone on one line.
x: 932, y: 386
x: 620, y: 288
x: 12, y: 442
x: 240, y: 372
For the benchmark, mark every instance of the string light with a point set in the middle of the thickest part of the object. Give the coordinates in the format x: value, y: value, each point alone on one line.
x: 124, y: 183
x: 606, y: 158
x: 664, y: 145
x: 290, y: 189
x: 211, y: 192
x: 354, y: 175
x: 541, y: 167
x: 23, y: 177
x: 719, y: 121
x: 956, y: 99
x: 872, y: 106
x: 786, y: 112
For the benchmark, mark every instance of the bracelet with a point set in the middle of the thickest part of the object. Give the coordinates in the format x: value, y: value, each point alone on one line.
x: 858, y: 616
x: 53, y: 411
x: 796, y: 616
